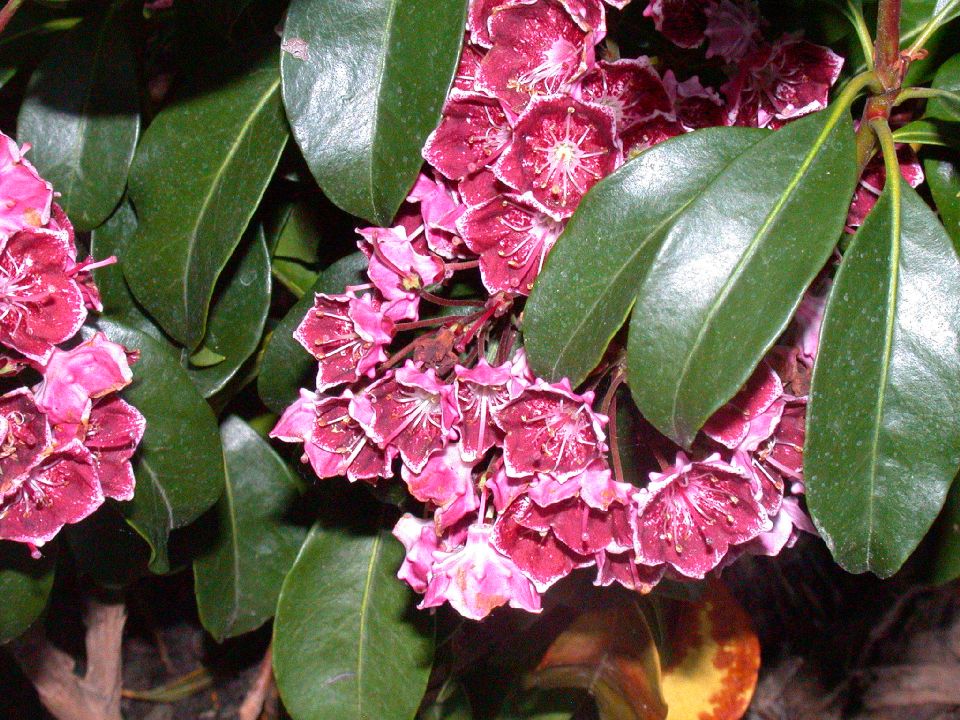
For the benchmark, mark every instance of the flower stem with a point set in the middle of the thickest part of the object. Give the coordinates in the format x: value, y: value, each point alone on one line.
x: 922, y: 93
x: 8, y: 11
x: 449, y: 302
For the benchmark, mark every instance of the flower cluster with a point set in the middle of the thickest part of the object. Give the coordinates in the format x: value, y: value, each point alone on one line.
x: 66, y: 442
x: 521, y: 479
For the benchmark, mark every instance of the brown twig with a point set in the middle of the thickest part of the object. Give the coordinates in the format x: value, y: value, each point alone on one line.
x: 8, y: 11
x: 260, y: 692
x: 68, y: 696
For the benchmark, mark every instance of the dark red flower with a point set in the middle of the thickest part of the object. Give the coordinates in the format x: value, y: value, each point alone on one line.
x: 682, y: 22
x: 472, y: 133
x: 630, y: 88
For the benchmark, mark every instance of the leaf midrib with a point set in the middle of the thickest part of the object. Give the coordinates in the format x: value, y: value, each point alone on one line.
x: 748, y: 256
x: 892, y: 295
x: 208, y: 197
x: 362, y: 630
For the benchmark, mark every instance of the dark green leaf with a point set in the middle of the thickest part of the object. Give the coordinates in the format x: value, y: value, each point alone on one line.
x: 883, y: 440
x: 943, y: 563
x: 179, y: 466
x: 81, y: 114
x: 929, y: 132
x: 237, y: 316
x: 287, y: 367
x: 205, y: 358
x: 591, y: 276
x: 24, y: 586
x: 295, y: 257
x: 345, y: 644
x: 452, y: 703
x: 113, y: 238
x: 238, y: 581
x: 943, y: 177
x: 363, y: 84
x: 733, y: 268
x: 196, y: 180
x: 947, y: 78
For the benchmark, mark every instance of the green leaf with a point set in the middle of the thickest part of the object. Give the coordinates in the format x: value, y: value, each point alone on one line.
x: 286, y: 366
x: 363, y: 84
x: 883, y: 438
x: 943, y: 563
x: 295, y: 257
x: 947, y: 78
x: 733, y: 268
x: 590, y: 280
x: 344, y: 643
x: 205, y: 358
x: 25, y: 585
x: 179, y: 466
x: 943, y: 177
x: 929, y: 132
x: 237, y: 316
x: 196, y: 180
x: 81, y: 114
x: 237, y: 583
x: 129, y: 552
x: 113, y: 238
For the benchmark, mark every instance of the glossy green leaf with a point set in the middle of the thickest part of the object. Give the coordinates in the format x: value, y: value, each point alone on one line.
x: 943, y: 178
x: 196, y: 180
x: 345, y: 642
x: 929, y: 132
x: 591, y: 276
x: 113, y: 238
x: 733, y: 268
x: 286, y: 366
x: 883, y: 431
x: 947, y: 78
x: 81, y: 114
x: 237, y: 316
x: 363, y: 84
x: 25, y: 585
x: 238, y: 581
x: 179, y: 465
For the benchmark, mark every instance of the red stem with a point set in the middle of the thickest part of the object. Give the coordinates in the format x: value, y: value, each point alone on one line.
x: 8, y: 11
x: 891, y: 66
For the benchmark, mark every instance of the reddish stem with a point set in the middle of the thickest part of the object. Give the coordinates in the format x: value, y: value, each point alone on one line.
x: 891, y: 66
x: 449, y: 302
x: 8, y: 11
x: 466, y: 265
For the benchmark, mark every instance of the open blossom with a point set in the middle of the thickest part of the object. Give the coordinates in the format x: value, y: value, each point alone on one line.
x: 560, y: 149
x: 446, y: 482
x: 476, y: 579
x: 399, y: 266
x: 682, y: 22
x: 550, y: 429
x: 782, y: 81
x: 750, y: 417
x: 732, y: 29
x: 440, y: 207
x: 409, y: 409
x: 481, y: 391
x: 474, y: 130
x: 630, y: 88
x: 691, y: 514
x: 537, y: 49
x: 419, y: 539
x: 347, y: 335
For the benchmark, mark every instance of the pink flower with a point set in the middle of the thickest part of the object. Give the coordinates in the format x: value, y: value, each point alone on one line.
x: 550, y: 429
x: 539, y: 555
x: 446, y: 481
x: 630, y: 88
x: 623, y: 568
x: 512, y: 240
x: 732, y: 30
x: 689, y: 516
x: 873, y: 180
x: 25, y: 197
x: 750, y: 417
x: 483, y: 185
x: 560, y: 149
x: 420, y: 540
x: 537, y: 49
x: 347, y: 334
x: 466, y: 77
x: 25, y: 437
x: 72, y: 378
x: 61, y: 489
x: 682, y: 22
x: 478, y: 19
x: 41, y: 303
x: 409, y: 409
x: 590, y: 15
x: 399, y: 266
x: 781, y: 82
x: 809, y: 318
x: 784, y: 450
x: 476, y: 579
x: 584, y: 529
x: 440, y: 207
x: 112, y: 433
x: 472, y: 133
x: 694, y: 106
x: 481, y: 391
